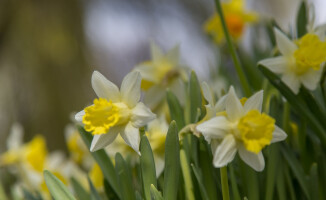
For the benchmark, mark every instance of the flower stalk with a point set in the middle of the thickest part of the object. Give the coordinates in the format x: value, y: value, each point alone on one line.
x: 242, y: 77
x: 225, y: 184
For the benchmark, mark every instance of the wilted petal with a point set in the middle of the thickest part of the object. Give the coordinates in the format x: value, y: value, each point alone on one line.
x: 255, y: 102
x: 292, y: 81
x: 215, y: 128
x: 131, y: 136
x: 79, y: 116
x: 256, y: 161
x: 277, y: 65
x: 130, y: 88
x: 225, y: 151
x: 233, y: 106
x: 141, y: 115
x: 284, y: 44
x: 103, y: 140
x: 278, y: 135
x: 105, y: 88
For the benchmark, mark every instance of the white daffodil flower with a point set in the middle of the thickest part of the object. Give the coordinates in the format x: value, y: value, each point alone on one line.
x: 301, y: 61
x: 162, y: 72
x: 115, y: 112
x: 241, y: 128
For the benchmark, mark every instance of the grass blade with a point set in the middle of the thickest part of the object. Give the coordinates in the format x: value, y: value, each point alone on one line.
x: 147, y: 167
x: 57, y: 189
x: 155, y: 194
x: 172, y: 163
x: 195, y: 96
x: 176, y: 110
x: 94, y: 194
x: 79, y: 190
x: 199, y: 179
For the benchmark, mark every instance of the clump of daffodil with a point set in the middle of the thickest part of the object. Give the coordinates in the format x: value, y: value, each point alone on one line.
x: 115, y: 112
x: 301, y: 61
x: 29, y: 160
x: 236, y: 18
x: 241, y: 128
x: 162, y: 72
x: 156, y: 134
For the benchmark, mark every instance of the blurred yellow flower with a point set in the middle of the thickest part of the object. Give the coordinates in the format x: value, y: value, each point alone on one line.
x: 236, y: 18
x: 96, y: 176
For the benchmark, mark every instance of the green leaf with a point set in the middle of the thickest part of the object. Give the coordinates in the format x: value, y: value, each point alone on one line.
x: 296, y: 169
x: 205, y: 163
x: 272, y: 164
x: 2, y: 193
x: 195, y: 97
x: 172, y: 163
x: 57, y: 189
x: 199, y: 179
x: 30, y: 196
x: 102, y: 160
x: 94, y: 194
x: 155, y: 194
x: 314, y: 191
x: 297, y: 103
x: 189, y: 188
x: 79, y: 190
x: 302, y: 20
x: 234, y: 184
x: 124, y: 178
x: 147, y: 164
x: 110, y: 194
x: 176, y: 110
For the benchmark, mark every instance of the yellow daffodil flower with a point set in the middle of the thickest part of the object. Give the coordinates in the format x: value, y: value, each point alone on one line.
x: 115, y: 112
x: 301, y: 61
x: 235, y: 18
x: 242, y: 128
x: 162, y: 72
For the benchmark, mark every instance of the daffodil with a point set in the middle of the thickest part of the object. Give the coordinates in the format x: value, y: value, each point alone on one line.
x: 301, y: 62
x: 241, y: 128
x: 115, y: 112
x: 236, y: 18
x: 162, y: 72
x: 96, y: 176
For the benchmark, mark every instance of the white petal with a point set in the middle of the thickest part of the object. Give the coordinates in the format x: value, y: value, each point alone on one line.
x: 173, y: 55
x: 284, y: 44
x: 103, y: 140
x: 159, y: 165
x: 79, y: 116
x: 233, y: 106
x: 154, y: 96
x: 130, y: 88
x: 225, y: 151
x: 220, y: 105
x: 277, y: 65
x: 311, y: 78
x: 256, y: 161
x: 278, y: 135
x: 215, y: 128
x: 105, y: 88
x: 15, y: 139
x: 292, y: 81
x: 255, y: 102
x: 131, y: 137
x: 207, y: 92
x: 147, y: 71
x: 141, y: 115
x: 156, y: 52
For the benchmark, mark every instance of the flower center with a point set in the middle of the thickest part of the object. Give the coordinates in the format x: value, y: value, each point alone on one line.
x: 101, y: 116
x: 235, y: 25
x: 310, y: 54
x: 256, y: 130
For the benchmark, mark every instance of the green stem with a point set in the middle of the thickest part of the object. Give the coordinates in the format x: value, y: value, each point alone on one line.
x: 225, y: 184
x: 235, y: 58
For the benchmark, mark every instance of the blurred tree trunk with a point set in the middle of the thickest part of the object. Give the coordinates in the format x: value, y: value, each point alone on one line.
x: 43, y: 71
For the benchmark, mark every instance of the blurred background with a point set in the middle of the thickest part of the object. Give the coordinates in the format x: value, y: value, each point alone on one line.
x: 48, y: 50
